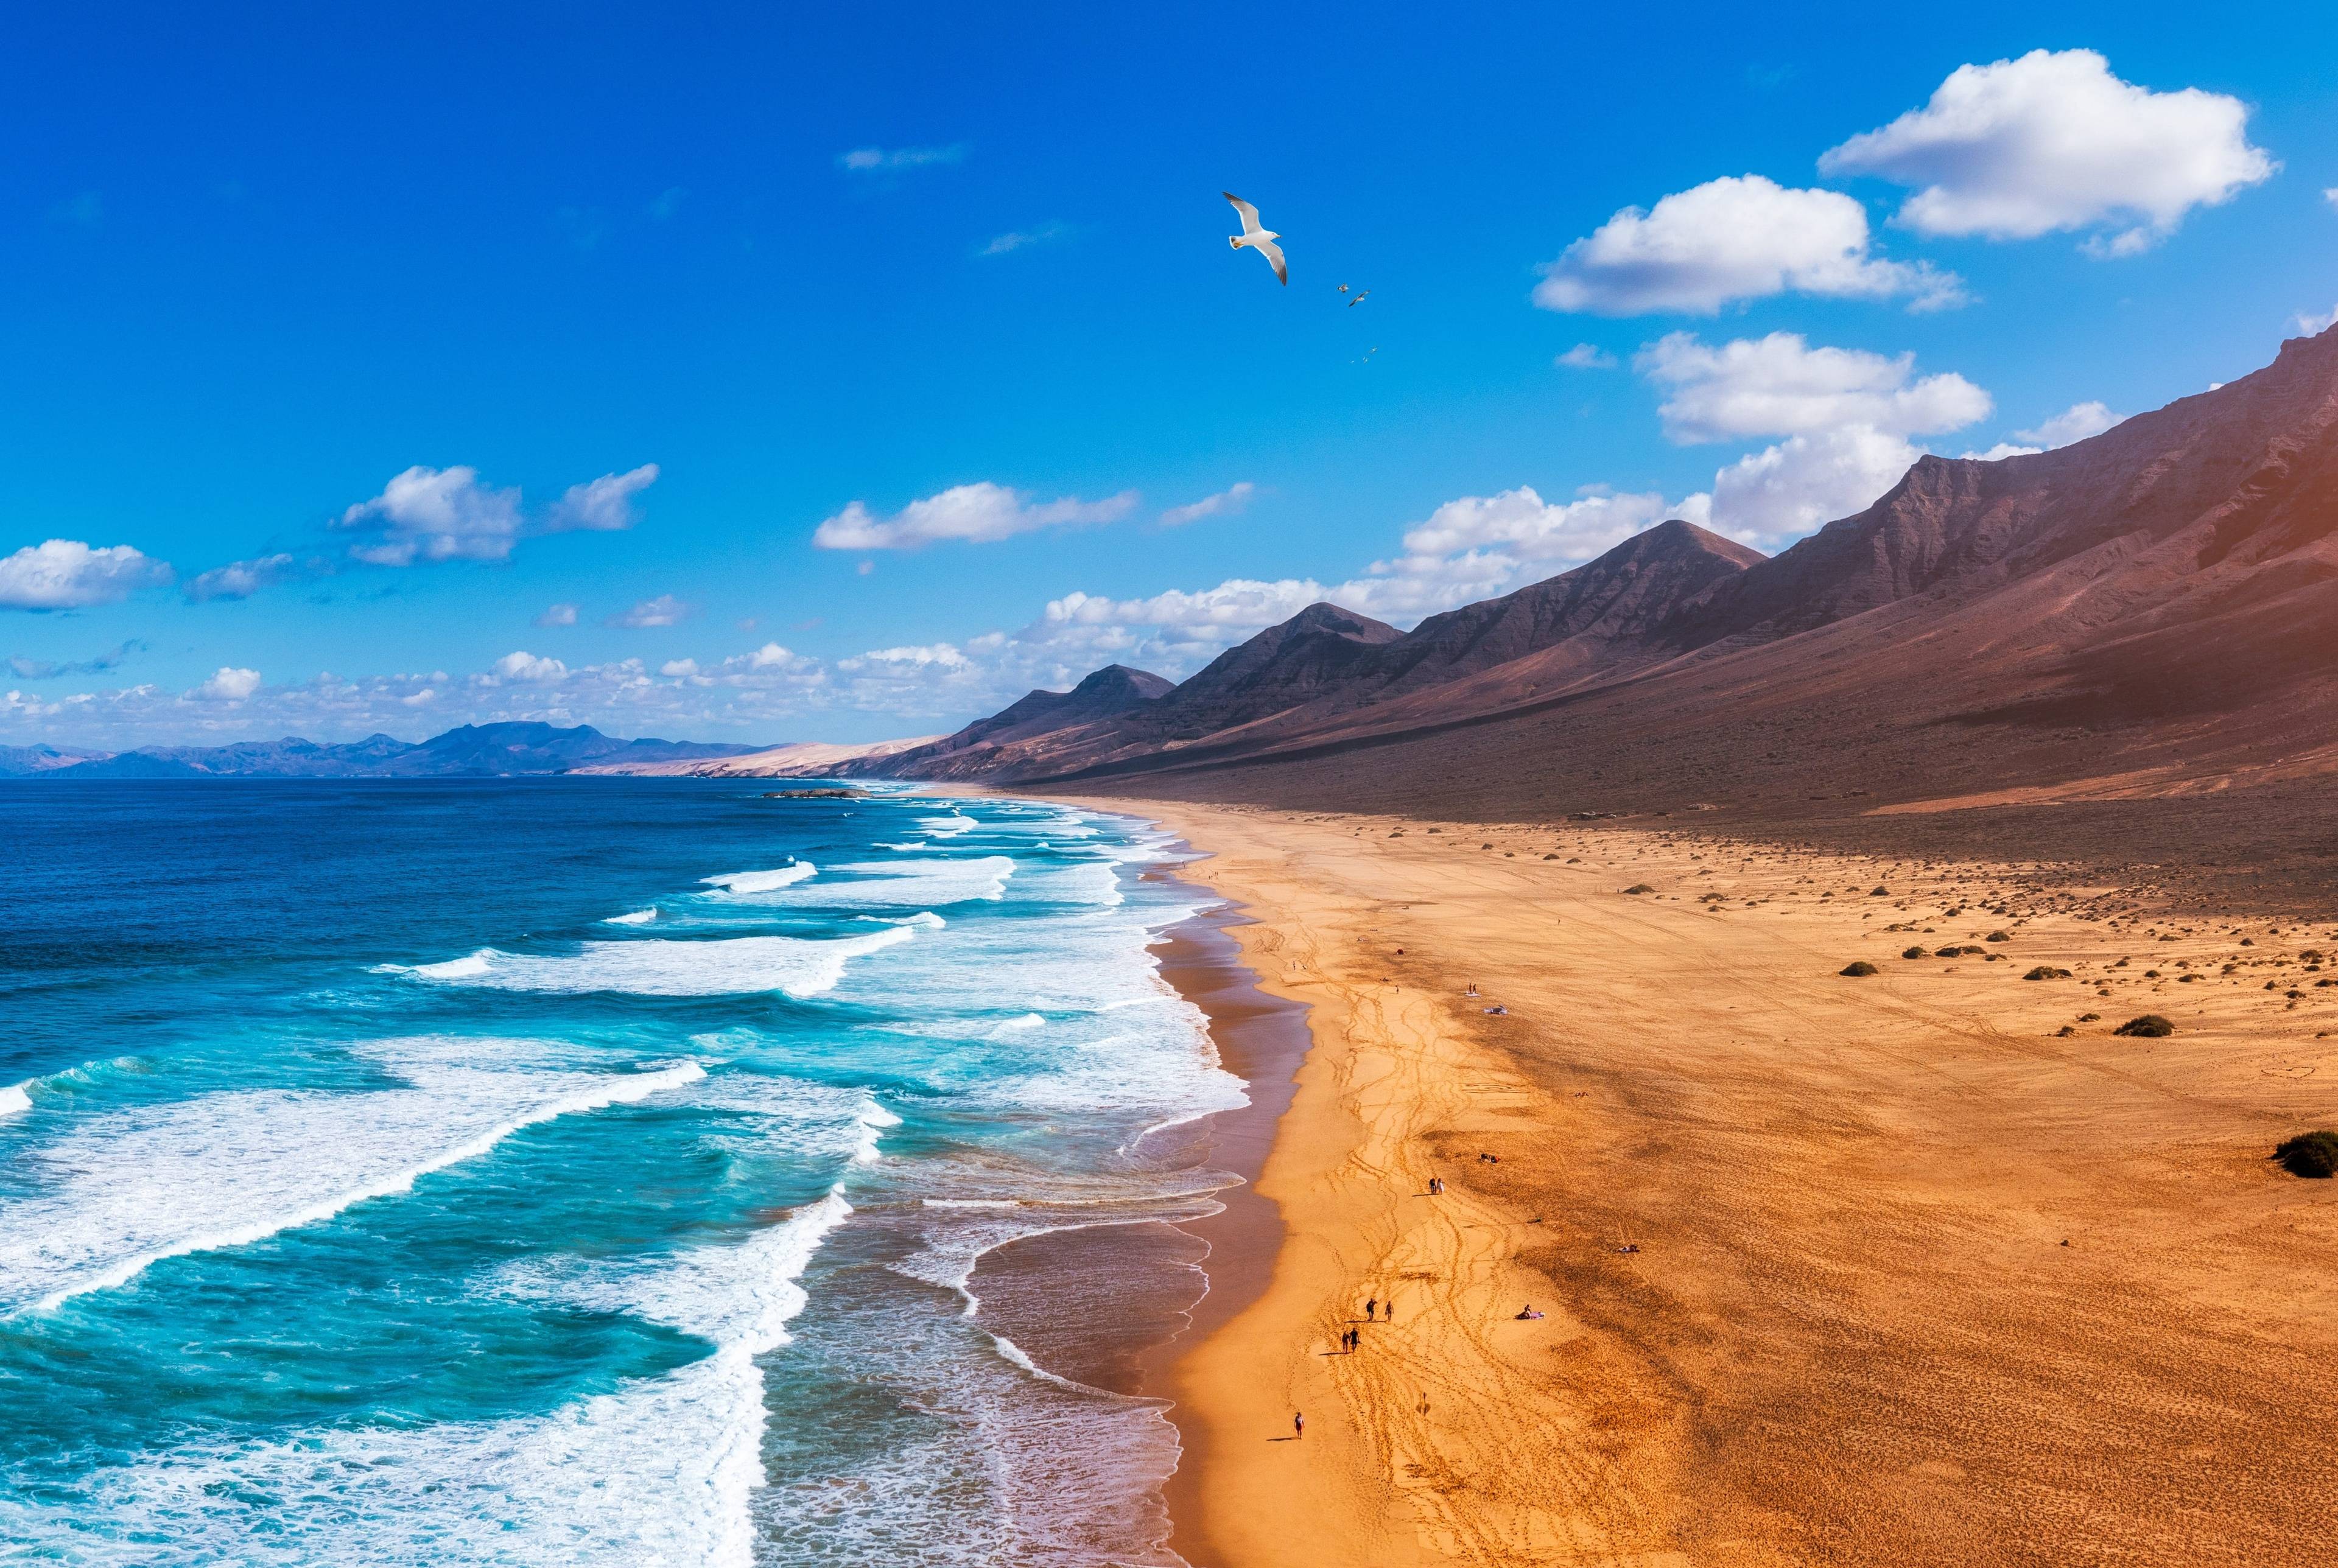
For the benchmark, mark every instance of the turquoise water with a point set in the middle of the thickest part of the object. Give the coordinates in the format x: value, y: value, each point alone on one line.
x: 569, y: 1171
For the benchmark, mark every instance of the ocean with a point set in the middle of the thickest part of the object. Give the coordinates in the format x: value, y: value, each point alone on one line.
x: 584, y: 1172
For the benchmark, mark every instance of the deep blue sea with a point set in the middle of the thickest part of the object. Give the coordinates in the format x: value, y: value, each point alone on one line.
x: 569, y: 1171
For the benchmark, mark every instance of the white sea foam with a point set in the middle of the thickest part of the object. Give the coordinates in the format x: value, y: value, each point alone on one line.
x: 762, y: 881
x: 1016, y: 1025
x: 16, y: 1098
x: 660, y: 1471
x: 948, y: 827
x: 638, y: 917
x: 873, y: 1119
x: 929, y: 884
x: 738, y: 965
x: 122, y: 1190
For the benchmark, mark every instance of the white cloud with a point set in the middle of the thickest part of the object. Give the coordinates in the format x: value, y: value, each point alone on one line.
x: 2311, y: 324
x: 1586, y: 357
x: 1774, y: 496
x: 680, y: 669
x: 238, y: 579
x: 1224, y: 504
x: 665, y: 610
x: 975, y: 513
x: 604, y: 504
x: 526, y: 667
x: 1781, y: 386
x: 1018, y: 240
x: 2076, y: 423
x: 558, y: 616
x: 435, y: 515
x: 886, y: 160
x: 1735, y: 238
x: 2331, y: 195
x: 2054, y: 141
x: 67, y: 574
x: 229, y: 685
x: 1467, y: 549
x: 1520, y: 525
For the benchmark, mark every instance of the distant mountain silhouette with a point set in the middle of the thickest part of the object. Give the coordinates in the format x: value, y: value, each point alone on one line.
x: 474, y: 750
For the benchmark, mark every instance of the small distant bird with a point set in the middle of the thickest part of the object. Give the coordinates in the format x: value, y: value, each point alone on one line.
x: 1255, y: 238
x: 1359, y: 298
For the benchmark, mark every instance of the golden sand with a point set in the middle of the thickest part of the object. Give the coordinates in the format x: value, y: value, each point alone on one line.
x: 1799, y: 1240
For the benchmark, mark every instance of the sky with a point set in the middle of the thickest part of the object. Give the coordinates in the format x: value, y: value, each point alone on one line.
x: 762, y: 373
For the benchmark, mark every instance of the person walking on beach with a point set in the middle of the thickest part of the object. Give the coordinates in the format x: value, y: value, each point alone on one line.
x: 1372, y: 1304
x: 1298, y: 1425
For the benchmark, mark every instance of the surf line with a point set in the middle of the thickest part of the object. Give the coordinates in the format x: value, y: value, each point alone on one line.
x: 623, y: 1090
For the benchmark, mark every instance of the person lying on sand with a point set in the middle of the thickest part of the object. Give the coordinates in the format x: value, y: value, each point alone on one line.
x: 1526, y: 1314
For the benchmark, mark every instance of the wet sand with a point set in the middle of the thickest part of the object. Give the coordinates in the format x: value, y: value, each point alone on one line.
x: 1111, y: 1306
x: 1929, y: 1267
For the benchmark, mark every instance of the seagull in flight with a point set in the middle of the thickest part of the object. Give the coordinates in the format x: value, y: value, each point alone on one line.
x: 1359, y: 298
x: 1255, y: 238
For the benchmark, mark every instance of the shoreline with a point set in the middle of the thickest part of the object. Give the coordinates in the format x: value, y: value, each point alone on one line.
x: 1173, y: 1281
x: 1927, y: 1267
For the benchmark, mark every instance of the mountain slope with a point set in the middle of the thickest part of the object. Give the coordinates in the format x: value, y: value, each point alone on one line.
x: 1327, y: 666
x: 2150, y: 609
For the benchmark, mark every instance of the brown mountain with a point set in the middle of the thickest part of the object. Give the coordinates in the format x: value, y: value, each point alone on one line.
x: 1016, y: 736
x: 2149, y: 613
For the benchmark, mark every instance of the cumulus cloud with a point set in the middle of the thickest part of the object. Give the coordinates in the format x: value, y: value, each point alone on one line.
x: 67, y: 574
x: 1020, y: 239
x: 2053, y: 142
x: 665, y: 610
x: 1521, y: 526
x: 238, y: 579
x: 976, y: 513
x: 1467, y: 549
x: 2311, y: 324
x: 228, y: 685
x: 2076, y: 423
x: 1774, y: 496
x: 604, y: 504
x: 427, y: 514
x: 526, y: 667
x: 1224, y: 504
x: 2331, y: 195
x: 1586, y: 357
x: 558, y: 616
x: 892, y: 159
x: 1781, y: 386
x: 1736, y: 238
x: 434, y: 514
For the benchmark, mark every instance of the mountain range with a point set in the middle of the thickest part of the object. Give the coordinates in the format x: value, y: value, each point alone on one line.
x: 473, y: 751
x: 2149, y: 613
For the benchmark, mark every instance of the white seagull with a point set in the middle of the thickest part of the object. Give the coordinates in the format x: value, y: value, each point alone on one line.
x: 1255, y: 238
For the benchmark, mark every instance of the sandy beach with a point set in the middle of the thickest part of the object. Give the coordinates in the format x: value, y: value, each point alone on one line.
x: 1930, y: 1266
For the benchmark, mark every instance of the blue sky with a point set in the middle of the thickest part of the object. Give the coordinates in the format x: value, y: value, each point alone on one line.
x: 844, y: 375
